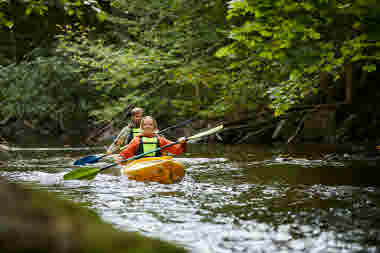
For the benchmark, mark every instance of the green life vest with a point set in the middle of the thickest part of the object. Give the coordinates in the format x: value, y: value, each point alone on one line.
x: 147, y: 144
x: 134, y: 132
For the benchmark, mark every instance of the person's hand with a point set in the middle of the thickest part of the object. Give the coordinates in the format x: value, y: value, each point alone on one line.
x: 182, y: 140
x: 118, y: 159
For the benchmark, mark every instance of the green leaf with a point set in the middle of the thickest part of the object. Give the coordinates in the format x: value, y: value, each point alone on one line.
x: 266, y: 54
x: 28, y: 11
x: 224, y: 51
x: 9, y: 24
x: 265, y: 33
x: 370, y: 68
x: 101, y: 16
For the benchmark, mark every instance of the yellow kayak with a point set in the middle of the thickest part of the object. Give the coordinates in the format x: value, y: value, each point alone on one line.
x: 162, y: 169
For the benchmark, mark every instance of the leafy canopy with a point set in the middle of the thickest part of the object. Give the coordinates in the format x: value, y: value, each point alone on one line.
x: 295, y: 41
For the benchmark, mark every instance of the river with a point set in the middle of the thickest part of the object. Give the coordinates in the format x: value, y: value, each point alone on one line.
x: 241, y: 198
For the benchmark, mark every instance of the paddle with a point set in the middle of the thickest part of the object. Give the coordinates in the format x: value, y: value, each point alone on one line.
x: 95, y: 159
x: 89, y: 159
x: 90, y: 173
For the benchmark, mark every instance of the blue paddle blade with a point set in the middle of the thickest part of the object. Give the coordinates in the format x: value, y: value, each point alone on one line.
x: 87, y: 159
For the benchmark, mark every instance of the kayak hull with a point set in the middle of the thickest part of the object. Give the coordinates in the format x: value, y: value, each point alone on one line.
x: 163, y: 170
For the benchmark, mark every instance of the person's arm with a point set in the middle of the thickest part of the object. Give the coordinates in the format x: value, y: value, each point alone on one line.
x: 175, y: 149
x: 119, y: 141
x: 131, y: 149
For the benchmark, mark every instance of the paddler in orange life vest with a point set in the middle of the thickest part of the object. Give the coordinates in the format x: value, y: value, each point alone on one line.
x: 127, y: 133
x: 148, y: 140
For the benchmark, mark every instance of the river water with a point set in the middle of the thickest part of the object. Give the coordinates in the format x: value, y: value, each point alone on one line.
x: 241, y: 198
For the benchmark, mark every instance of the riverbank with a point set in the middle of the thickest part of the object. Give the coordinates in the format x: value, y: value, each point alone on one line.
x: 340, y: 124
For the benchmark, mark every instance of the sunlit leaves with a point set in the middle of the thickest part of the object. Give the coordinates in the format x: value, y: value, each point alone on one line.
x: 369, y: 68
x: 303, y: 37
x: 38, y: 7
x: 164, y: 61
x: 225, y: 51
x: 239, y: 7
x: 5, y: 21
x: 75, y: 8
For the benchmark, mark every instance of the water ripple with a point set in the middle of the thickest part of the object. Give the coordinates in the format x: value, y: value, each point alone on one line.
x: 291, y: 204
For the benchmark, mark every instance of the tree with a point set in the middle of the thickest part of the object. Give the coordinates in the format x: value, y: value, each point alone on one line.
x: 292, y: 45
x: 28, y: 24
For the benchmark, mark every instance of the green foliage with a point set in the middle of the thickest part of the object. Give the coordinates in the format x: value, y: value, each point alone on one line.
x: 155, y: 54
x: 28, y: 24
x: 299, y: 40
x: 43, y: 89
x: 163, y: 60
x: 75, y: 8
x: 183, y: 58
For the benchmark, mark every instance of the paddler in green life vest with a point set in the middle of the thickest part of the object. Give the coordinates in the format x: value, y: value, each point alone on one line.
x: 127, y: 133
x: 148, y: 140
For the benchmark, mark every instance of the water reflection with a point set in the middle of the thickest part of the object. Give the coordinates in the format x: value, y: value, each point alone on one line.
x: 233, y: 199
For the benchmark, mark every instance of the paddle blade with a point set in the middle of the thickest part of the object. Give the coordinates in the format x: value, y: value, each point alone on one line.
x: 82, y: 173
x: 87, y: 160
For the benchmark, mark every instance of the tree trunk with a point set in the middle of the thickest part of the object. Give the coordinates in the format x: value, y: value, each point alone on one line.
x: 324, y: 84
x: 348, y: 82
